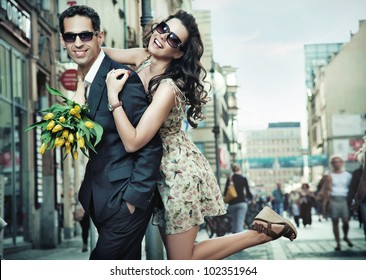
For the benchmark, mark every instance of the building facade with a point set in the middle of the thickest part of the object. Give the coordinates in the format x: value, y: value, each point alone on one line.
x: 216, y: 135
x: 316, y: 56
x: 28, y: 183
x: 337, y: 104
x: 274, y: 155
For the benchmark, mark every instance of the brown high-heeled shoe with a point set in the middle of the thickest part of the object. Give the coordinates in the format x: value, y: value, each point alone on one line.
x: 270, y: 217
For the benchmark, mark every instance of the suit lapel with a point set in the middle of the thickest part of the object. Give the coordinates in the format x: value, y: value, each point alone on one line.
x: 98, y: 87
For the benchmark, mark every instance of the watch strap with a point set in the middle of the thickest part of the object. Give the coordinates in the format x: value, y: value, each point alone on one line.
x: 114, y: 106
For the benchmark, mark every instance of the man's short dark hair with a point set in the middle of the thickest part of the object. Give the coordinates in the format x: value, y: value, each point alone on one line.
x: 80, y: 10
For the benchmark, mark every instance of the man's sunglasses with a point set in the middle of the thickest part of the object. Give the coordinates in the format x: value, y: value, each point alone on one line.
x: 172, y: 39
x: 84, y: 36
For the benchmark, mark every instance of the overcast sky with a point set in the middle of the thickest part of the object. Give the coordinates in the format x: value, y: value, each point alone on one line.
x: 265, y: 40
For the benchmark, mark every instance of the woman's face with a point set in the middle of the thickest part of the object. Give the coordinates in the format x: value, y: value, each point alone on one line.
x: 159, y: 43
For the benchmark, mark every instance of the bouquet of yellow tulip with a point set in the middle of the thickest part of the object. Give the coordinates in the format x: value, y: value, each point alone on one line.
x: 68, y: 127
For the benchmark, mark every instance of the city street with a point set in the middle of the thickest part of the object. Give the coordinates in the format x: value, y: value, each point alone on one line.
x: 313, y: 243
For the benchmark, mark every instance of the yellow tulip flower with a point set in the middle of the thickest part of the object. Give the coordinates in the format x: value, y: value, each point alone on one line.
x: 75, y: 155
x: 59, y: 142
x: 71, y: 138
x: 77, y: 108
x: 89, y: 124
x: 65, y: 134
x: 43, y: 148
x: 81, y: 142
x: 50, y: 125
x: 48, y: 116
x: 57, y: 128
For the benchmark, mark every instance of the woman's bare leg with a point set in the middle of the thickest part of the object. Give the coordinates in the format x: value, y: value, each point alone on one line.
x: 182, y: 246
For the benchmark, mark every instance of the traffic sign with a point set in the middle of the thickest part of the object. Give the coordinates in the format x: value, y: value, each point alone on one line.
x: 68, y: 79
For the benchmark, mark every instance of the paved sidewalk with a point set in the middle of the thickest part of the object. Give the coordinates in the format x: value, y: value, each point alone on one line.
x: 313, y: 243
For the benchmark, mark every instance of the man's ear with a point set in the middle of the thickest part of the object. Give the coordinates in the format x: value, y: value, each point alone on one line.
x: 62, y: 41
x: 101, y: 38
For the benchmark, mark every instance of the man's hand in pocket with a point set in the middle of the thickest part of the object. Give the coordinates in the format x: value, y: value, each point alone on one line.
x: 131, y: 207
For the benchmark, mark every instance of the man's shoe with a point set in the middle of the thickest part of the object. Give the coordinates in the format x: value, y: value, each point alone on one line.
x: 85, y: 248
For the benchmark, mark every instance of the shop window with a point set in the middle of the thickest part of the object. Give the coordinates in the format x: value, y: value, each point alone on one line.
x: 14, y: 146
x: 5, y: 73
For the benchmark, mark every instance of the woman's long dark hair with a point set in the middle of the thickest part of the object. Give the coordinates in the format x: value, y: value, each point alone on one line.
x: 187, y: 71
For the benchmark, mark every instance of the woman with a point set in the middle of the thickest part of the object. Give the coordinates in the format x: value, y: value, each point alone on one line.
x: 336, y: 191
x: 238, y: 207
x: 307, y: 201
x: 170, y: 70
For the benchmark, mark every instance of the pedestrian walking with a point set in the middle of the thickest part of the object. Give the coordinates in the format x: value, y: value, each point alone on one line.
x: 358, y: 187
x: 238, y: 207
x: 278, y: 199
x: 319, y: 197
x: 83, y: 218
x: 355, y: 181
x: 3, y: 224
x: 170, y: 68
x: 307, y: 202
x: 294, y: 205
x: 118, y: 186
x: 336, y: 191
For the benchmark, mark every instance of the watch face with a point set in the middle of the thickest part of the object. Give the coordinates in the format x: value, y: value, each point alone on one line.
x: 110, y: 108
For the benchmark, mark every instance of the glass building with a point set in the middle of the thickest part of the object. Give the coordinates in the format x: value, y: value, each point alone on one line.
x: 317, y: 55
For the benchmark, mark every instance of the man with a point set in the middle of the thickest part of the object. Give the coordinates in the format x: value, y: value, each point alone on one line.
x: 358, y: 191
x: 336, y: 192
x: 278, y: 199
x: 118, y: 187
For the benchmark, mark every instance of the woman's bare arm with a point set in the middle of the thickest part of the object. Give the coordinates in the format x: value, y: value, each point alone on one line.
x: 151, y: 121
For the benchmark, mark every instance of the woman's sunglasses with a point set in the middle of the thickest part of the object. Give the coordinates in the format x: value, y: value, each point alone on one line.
x: 84, y: 36
x: 172, y: 39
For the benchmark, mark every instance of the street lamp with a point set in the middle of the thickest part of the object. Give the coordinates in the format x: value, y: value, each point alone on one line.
x: 216, y: 128
x: 153, y: 245
x: 146, y: 16
x: 232, y: 105
x: 218, y: 87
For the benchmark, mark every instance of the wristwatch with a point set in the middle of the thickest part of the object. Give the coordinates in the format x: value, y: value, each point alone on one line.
x: 114, y: 106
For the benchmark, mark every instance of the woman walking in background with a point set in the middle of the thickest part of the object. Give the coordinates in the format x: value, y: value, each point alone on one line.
x: 307, y: 201
x: 238, y: 207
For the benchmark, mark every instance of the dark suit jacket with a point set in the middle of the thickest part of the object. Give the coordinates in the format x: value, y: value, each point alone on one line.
x: 113, y: 175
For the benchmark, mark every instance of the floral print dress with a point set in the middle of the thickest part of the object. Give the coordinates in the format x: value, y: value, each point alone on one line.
x: 188, y: 187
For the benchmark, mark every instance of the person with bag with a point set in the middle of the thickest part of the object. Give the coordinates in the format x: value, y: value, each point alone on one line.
x: 238, y: 205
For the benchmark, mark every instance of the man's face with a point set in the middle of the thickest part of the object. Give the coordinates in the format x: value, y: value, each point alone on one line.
x: 82, y: 53
x: 337, y: 164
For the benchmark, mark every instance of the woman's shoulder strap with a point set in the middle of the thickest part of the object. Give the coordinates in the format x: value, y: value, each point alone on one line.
x: 146, y: 62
